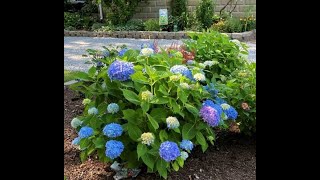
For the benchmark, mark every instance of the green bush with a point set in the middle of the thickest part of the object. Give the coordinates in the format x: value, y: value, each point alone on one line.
x: 192, y: 22
x: 153, y: 98
x: 119, y: 11
x: 214, y: 46
x: 240, y: 91
x: 232, y: 25
x: 205, y: 12
x: 152, y: 25
x: 73, y: 20
x: 135, y: 25
x: 97, y: 26
x: 179, y: 13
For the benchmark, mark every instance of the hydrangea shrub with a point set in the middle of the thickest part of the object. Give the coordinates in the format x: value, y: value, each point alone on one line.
x: 148, y: 108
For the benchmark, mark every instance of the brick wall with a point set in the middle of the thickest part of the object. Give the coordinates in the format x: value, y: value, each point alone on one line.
x: 151, y: 8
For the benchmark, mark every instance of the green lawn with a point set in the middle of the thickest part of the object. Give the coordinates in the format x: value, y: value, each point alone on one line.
x: 69, y: 75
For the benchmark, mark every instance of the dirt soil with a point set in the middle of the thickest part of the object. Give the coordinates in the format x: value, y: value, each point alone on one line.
x: 232, y: 158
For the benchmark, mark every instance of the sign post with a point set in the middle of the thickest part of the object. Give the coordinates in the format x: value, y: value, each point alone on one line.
x: 163, y: 17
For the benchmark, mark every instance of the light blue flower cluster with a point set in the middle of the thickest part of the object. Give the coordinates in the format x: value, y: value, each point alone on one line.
x: 122, y: 51
x: 76, y: 141
x: 210, y: 115
x: 105, y: 53
x: 146, y: 51
x: 181, y: 69
x: 169, y: 151
x: 186, y: 145
x: 92, y: 111
x: 76, y: 122
x: 189, y: 62
x: 147, y: 45
x: 112, y: 130
x: 211, y: 89
x: 219, y: 101
x: 114, y: 149
x: 113, y: 108
x: 120, y: 70
x: 85, y: 132
x: 172, y: 122
x: 184, y: 155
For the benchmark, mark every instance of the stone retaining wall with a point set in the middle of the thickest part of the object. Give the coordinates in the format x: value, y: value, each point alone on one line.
x: 245, y: 36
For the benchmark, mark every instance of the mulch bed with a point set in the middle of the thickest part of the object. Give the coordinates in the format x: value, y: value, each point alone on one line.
x: 232, y: 158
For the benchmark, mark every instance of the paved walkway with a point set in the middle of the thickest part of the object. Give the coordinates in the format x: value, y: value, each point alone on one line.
x: 75, y: 47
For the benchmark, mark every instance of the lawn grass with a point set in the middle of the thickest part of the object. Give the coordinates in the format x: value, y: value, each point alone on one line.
x: 69, y: 75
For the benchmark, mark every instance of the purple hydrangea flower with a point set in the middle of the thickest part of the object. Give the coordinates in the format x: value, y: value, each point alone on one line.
x: 210, y: 115
x: 213, y: 105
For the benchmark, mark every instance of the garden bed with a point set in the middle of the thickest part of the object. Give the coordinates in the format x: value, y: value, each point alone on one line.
x: 244, y: 36
x: 233, y: 156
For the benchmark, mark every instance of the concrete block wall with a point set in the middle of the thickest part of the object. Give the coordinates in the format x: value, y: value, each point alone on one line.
x: 150, y: 9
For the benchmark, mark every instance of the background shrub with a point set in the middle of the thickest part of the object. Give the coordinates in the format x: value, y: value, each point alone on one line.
x: 205, y: 12
x: 152, y: 25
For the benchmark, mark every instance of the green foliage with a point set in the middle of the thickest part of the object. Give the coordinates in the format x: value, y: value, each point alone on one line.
x: 96, y: 26
x: 73, y: 20
x: 213, y: 46
x: 178, y: 7
x: 205, y: 12
x: 192, y: 23
x: 152, y: 25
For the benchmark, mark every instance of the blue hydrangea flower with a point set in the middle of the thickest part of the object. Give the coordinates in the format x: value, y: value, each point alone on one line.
x: 105, y: 53
x: 189, y: 62
x: 147, y: 45
x: 211, y: 89
x: 181, y: 69
x: 120, y: 70
x: 219, y: 101
x: 85, y: 132
x: 169, y: 151
x: 114, y: 149
x: 186, y: 145
x: 122, y: 51
x: 113, y: 108
x: 231, y: 113
x: 92, y: 111
x: 99, y: 64
x: 210, y: 115
x: 112, y: 130
x: 184, y: 155
x: 76, y: 141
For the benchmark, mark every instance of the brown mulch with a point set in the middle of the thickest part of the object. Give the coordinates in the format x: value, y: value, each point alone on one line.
x: 232, y: 158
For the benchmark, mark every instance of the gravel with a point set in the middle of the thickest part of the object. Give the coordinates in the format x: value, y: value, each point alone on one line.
x: 75, y: 47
